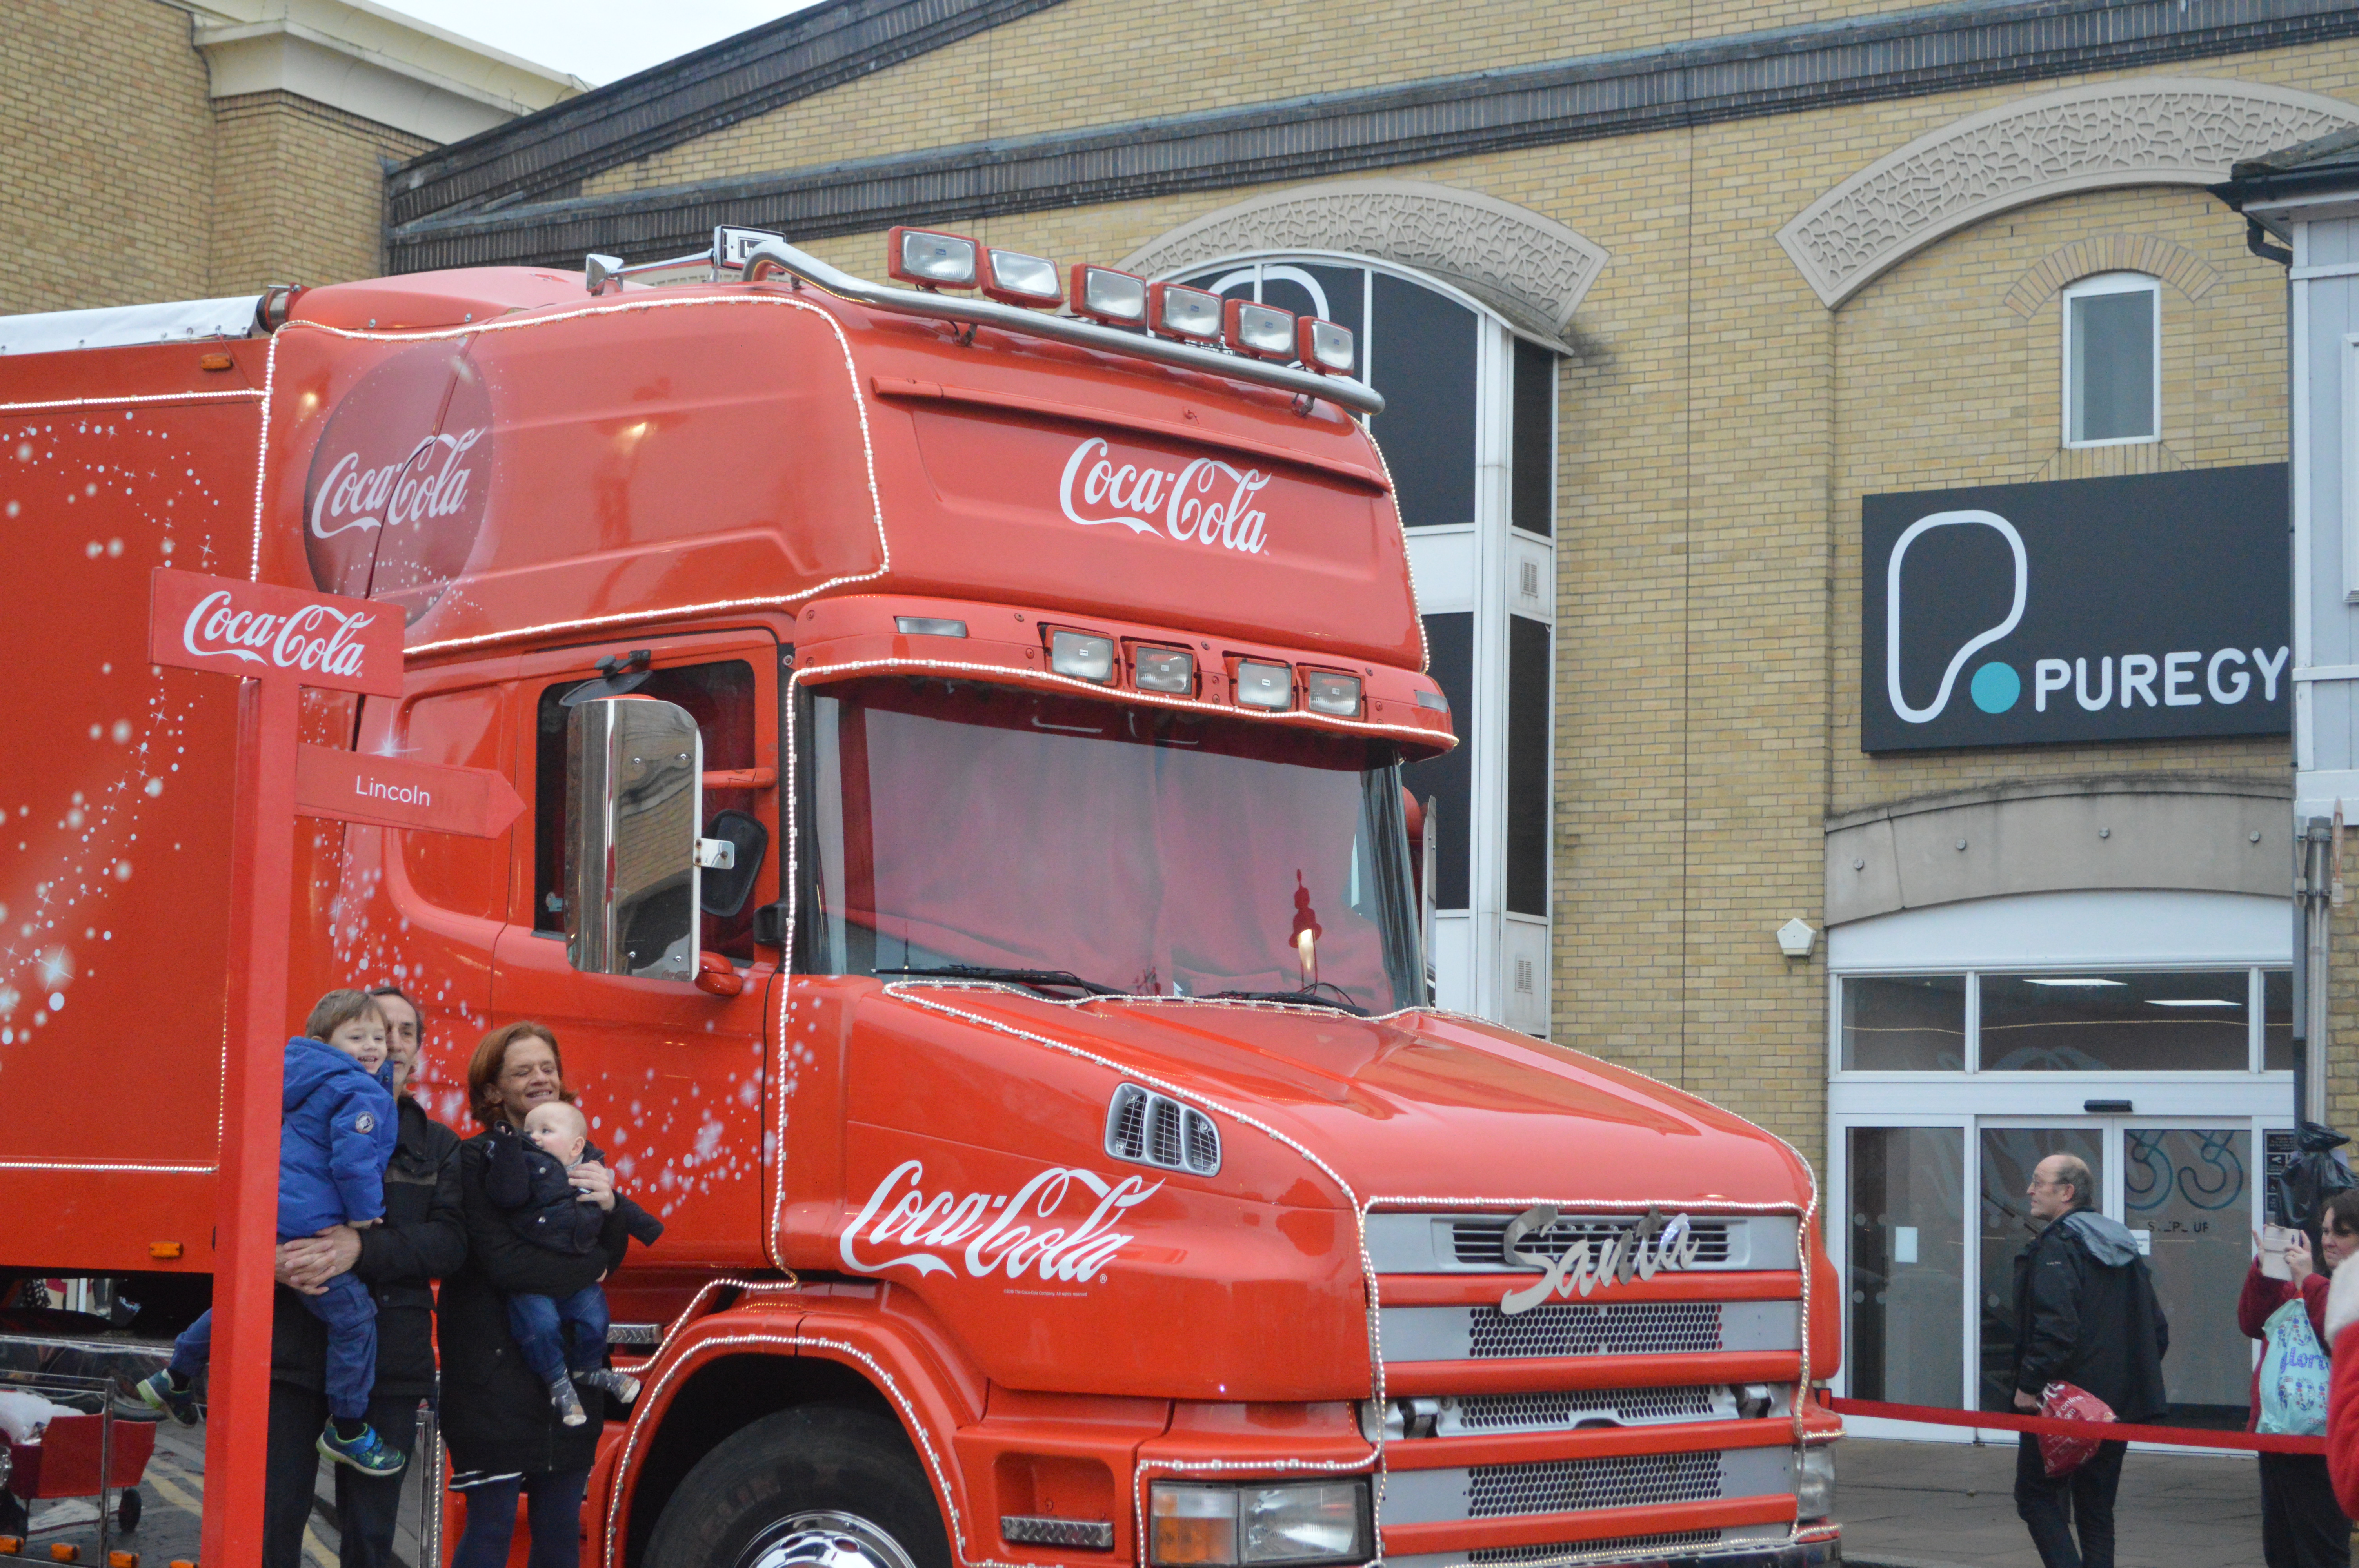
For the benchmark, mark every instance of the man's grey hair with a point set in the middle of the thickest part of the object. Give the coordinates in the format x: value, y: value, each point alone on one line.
x: 2074, y: 1170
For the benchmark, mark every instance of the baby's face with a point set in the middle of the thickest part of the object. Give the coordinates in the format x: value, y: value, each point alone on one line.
x: 361, y: 1039
x: 552, y: 1134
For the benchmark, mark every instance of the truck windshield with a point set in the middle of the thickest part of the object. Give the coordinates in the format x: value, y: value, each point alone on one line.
x: 1154, y: 851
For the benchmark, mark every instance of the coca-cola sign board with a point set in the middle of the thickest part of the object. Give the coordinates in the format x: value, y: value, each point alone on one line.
x: 394, y: 792
x: 400, y: 479
x: 233, y: 627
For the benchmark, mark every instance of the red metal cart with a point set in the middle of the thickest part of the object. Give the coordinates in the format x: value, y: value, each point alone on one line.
x: 68, y: 1461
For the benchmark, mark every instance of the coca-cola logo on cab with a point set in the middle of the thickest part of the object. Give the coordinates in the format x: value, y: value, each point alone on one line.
x: 984, y: 1234
x: 400, y: 479
x: 1204, y: 501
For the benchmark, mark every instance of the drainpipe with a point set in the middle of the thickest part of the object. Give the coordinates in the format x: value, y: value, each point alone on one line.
x: 2314, y: 891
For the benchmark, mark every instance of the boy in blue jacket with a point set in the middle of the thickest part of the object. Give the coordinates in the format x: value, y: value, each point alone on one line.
x: 336, y: 1139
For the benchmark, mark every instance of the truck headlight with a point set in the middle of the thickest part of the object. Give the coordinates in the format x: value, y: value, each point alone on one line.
x: 1292, y: 1522
x: 1814, y: 1484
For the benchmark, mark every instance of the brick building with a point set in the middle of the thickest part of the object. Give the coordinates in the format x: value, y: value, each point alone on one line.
x: 161, y: 150
x: 1698, y: 323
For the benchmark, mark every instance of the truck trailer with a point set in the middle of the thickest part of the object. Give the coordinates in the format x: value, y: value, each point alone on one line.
x: 965, y: 864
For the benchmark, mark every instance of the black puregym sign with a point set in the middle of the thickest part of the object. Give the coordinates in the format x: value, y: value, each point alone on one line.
x: 2127, y: 609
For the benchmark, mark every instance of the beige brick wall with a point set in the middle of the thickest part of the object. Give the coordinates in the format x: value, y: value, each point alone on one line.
x: 1091, y: 62
x: 1718, y: 432
x: 297, y: 192
x: 109, y: 147
x: 124, y: 183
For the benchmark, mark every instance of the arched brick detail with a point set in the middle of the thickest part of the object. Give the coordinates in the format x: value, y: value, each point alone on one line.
x: 2149, y: 254
x: 2143, y: 131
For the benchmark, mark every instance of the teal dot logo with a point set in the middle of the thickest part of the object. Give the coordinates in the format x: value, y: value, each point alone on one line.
x: 1996, y: 688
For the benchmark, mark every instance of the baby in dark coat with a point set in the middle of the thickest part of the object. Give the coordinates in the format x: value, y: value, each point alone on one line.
x: 564, y: 1342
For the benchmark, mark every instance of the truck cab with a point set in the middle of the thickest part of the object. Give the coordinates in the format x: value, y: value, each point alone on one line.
x: 966, y: 865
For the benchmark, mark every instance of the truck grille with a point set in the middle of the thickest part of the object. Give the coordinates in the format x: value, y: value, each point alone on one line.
x: 1561, y: 1411
x: 1632, y: 1328
x: 1567, y: 1486
x: 1480, y: 1243
x: 1591, y: 1551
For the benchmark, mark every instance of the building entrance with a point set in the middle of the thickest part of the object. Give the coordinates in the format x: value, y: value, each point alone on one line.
x: 2166, y: 1079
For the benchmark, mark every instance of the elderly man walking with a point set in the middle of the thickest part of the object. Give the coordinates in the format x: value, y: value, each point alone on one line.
x: 2085, y: 1314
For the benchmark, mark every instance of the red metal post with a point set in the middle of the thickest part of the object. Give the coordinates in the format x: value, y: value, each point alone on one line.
x: 262, y: 851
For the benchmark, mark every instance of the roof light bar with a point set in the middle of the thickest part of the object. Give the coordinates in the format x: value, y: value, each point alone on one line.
x: 1117, y: 299
x: 1082, y: 656
x: 1323, y: 345
x: 1175, y: 311
x: 931, y: 260
x: 772, y: 258
x: 1013, y: 278
x: 1261, y: 330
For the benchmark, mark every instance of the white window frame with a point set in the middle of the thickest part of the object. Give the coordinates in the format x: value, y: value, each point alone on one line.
x: 2104, y: 284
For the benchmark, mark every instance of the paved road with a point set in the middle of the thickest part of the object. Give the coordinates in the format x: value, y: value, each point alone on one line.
x: 171, y: 1496
x: 1951, y: 1505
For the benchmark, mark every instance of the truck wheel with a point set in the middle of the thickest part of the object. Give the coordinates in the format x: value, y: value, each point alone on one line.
x: 816, y: 1487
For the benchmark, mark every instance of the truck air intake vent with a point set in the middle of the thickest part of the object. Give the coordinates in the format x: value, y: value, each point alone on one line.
x: 1479, y: 1242
x: 1563, y: 1411
x: 1613, y: 1551
x: 1635, y: 1328
x: 1148, y: 1129
x: 1568, y: 1485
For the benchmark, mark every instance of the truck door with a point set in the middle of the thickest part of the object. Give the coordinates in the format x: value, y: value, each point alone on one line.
x: 670, y: 1074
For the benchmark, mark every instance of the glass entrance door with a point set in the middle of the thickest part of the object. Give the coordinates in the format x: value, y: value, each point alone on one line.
x: 2190, y: 1193
x: 2008, y: 1157
x: 2187, y: 1195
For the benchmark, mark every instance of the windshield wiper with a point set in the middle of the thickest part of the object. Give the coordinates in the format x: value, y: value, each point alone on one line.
x: 1307, y: 997
x: 1035, y: 979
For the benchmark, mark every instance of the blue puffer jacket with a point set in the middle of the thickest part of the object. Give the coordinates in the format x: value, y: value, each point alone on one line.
x: 336, y: 1140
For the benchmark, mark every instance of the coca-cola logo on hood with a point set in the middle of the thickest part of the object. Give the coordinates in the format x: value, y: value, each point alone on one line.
x: 400, y: 479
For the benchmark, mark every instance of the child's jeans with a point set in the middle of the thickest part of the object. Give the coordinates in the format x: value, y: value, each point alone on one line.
x: 559, y: 1337
x: 350, y: 1314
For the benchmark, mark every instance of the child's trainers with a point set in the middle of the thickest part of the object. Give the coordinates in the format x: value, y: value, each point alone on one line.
x: 175, y: 1400
x: 567, y: 1402
x: 365, y: 1452
x: 621, y: 1385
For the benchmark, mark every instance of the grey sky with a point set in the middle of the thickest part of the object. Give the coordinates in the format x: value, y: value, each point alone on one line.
x: 598, y: 40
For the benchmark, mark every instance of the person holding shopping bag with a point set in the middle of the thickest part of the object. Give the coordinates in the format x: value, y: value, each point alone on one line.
x: 2302, y: 1524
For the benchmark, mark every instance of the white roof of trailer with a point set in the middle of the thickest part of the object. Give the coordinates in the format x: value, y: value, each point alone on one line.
x: 116, y: 326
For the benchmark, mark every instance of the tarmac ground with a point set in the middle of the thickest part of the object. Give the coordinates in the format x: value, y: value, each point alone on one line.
x: 1951, y: 1505
x: 1903, y: 1504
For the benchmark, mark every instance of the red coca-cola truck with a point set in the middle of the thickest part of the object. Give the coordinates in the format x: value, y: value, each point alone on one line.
x: 966, y: 867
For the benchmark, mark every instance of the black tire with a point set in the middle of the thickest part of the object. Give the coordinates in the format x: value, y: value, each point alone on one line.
x: 127, y: 1510
x: 732, y: 1509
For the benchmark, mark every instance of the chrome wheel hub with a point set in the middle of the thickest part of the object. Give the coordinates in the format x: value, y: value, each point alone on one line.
x: 823, y: 1539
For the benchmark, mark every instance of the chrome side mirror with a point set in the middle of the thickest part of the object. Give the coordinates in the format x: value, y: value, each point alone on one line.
x: 633, y: 793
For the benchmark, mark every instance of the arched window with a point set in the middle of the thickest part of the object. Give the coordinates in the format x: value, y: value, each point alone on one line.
x: 1469, y: 434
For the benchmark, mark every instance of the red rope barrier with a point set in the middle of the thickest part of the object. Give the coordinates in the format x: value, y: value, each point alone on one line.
x: 2105, y: 1431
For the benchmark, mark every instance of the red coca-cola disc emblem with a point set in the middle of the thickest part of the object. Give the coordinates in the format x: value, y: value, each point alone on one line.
x: 400, y: 479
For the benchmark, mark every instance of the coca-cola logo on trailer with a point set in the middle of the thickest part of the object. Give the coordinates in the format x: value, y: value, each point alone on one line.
x: 399, y: 479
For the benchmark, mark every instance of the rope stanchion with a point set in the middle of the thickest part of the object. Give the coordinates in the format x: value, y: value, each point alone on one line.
x: 2103, y: 1430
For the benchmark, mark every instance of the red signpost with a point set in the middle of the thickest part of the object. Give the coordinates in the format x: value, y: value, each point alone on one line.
x: 279, y: 641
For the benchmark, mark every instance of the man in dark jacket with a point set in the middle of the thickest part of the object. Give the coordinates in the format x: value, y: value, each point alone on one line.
x: 2085, y: 1314
x: 423, y: 1239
